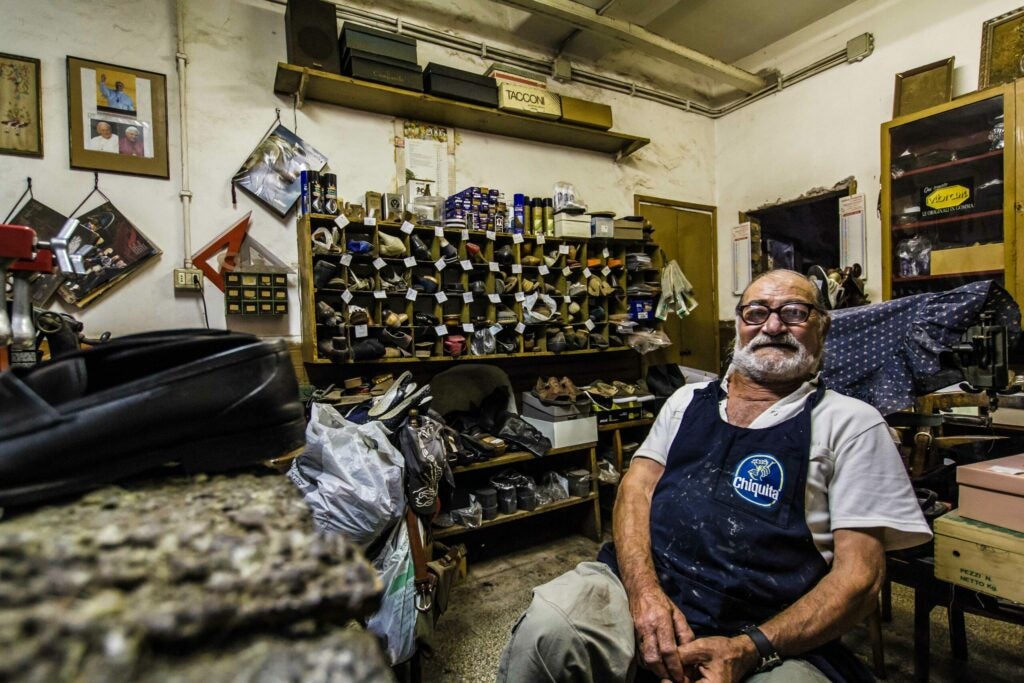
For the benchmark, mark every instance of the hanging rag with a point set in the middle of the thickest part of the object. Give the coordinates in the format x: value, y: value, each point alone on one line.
x: 676, y: 293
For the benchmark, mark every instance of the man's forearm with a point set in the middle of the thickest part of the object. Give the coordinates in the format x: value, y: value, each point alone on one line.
x: 847, y: 594
x: 632, y: 525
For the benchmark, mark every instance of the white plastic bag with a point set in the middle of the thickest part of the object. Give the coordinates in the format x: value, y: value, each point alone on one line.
x: 395, y: 621
x: 350, y: 475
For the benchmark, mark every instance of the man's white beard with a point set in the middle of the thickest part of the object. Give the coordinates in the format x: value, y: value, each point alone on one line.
x: 775, y: 367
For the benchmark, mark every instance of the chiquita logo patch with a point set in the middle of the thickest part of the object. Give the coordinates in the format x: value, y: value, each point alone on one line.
x: 758, y: 479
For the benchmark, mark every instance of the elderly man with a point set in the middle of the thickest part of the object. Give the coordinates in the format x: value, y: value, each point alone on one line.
x: 750, y: 529
x: 104, y: 140
x: 131, y: 144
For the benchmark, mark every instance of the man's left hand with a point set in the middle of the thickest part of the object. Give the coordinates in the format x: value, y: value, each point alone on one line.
x: 719, y: 660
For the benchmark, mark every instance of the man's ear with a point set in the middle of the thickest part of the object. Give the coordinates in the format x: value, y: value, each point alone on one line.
x: 825, y: 327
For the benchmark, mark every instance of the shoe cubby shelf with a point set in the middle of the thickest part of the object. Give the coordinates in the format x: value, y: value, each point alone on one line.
x: 321, y: 86
x: 610, y: 439
x: 370, y: 292
x: 560, y: 459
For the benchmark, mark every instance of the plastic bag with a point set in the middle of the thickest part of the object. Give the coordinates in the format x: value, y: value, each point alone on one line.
x: 539, y: 308
x: 606, y: 472
x: 644, y: 341
x: 350, y: 475
x: 553, y: 487
x: 470, y: 516
x: 395, y: 622
x: 677, y: 293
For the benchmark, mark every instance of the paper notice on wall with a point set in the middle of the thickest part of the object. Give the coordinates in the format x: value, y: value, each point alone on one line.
x: 740, y: 257
x: 853, y: 237
x: 425, y: 159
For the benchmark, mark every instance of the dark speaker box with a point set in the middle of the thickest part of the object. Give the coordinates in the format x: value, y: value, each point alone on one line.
x: 311, y: 30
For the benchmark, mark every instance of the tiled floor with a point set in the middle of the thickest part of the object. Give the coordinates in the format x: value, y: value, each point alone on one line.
x: 472, y: 634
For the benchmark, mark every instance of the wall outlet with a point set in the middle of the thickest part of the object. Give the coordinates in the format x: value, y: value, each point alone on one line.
x: 188, y: 279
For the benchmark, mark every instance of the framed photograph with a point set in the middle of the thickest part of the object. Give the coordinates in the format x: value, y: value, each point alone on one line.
x: 1002, y: 49
x: 923, y: 87
x: 271, y: 173
x: 21, y: 106
x: 117, y: 117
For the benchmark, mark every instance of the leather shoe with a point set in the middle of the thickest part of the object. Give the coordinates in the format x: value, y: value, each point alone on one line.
x: 210, y: 400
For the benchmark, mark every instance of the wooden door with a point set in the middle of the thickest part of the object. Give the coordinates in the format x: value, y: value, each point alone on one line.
x: 686, y: 233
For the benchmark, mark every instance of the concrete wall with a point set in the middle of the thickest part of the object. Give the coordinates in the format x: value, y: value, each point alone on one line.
x: 828, y: 127
x: 234, y: 47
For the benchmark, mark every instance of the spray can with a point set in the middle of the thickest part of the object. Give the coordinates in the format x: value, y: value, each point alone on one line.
x: 329, y: 190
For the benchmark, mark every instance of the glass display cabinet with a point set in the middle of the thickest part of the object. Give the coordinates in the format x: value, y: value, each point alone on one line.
x: 948, y: 195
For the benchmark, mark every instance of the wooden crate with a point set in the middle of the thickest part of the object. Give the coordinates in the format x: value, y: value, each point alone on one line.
x: 985, y: 558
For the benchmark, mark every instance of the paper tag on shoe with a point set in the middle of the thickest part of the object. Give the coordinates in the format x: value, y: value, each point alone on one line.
x: 586, y: 272
x: 341, y: 221
x: 370, y: 221
x: 438, y: 231
x: 346, y: 296
x: 468, y: 328
x: 563, y: 249
x: 589, y: 324
x: 495, y: 329
x: 494, y: 298
x: 407, y: 227
x: 411, y: 295
x: 567, y: 299
x: 606, y: 271
x: 465, y: 235
x: 345, y: 260
x: 441, y: 297
x: 493, y: 267
x: 380, y: 295
x: 466, y: 264
x: 361, y: 331
x: 566, y: 272
x: 517, y: 238
x: 379, y: 263
x: 605, y: 253
x: 467, y: 297
x: 517, y: 269
x: 520, y: 296
x: 440, y: 264
x: 409, y: 261
x: 520, y: 328
x: 540, y: 239
x: 543, y: 270
x: 490, y: 235
x: 441, y: 330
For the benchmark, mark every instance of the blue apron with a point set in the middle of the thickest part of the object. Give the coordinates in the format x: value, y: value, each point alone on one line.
x: 729, y: 537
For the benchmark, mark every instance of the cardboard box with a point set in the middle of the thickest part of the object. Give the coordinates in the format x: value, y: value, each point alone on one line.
x: 464, y: 86
x: 534, y: 407
x: 567, y: 433
x: 567, y: 225
x: 371, y: 40
x: 584, y: 113
x: 993, y: 491
x: 527, y: 100
x: 628, y: 230
x: 971, y: 259
x: 602, y: 226
x: 979, y: 556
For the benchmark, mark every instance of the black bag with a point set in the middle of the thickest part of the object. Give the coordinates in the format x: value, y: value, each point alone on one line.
x: 663, y: 380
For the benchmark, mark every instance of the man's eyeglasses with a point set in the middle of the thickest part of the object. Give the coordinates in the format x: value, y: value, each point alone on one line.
x: 792, y: 313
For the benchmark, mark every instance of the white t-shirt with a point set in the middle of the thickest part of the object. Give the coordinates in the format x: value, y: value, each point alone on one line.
x: 101, y: 144
x: 855, y: 478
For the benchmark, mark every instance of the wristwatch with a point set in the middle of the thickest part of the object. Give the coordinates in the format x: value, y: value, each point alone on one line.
x: 769, y: 655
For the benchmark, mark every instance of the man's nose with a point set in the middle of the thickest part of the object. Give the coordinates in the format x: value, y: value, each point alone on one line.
x: 773, y: 325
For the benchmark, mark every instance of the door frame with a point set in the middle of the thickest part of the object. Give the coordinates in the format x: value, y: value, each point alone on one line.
x: 713, y: 211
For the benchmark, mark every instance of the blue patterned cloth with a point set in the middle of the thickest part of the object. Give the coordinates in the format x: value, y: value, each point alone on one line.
x: 887, y: 354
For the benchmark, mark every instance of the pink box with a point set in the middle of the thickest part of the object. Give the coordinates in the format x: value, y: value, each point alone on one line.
x: 993, y: 491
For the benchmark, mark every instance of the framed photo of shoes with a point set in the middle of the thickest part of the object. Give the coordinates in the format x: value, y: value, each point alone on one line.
x: 923, y: 87
x: 21, y: 109
x: 117, y: 119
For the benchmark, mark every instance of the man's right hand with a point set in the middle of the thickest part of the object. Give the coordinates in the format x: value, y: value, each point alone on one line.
x: 660, y: 628
x: 103, y: 78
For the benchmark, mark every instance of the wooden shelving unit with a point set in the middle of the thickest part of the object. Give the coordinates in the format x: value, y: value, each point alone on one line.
x: 321, y: 86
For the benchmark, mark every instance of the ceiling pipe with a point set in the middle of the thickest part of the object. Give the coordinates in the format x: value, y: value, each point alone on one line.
x: 856, y: 49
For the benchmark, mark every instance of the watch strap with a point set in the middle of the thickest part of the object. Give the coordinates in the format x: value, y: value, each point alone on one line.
x: 769, y: 655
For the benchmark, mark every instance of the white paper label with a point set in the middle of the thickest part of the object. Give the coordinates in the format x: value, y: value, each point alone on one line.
x: 370, y: 220
x: 378, y: 263
x: 379, y: 295
x: 605, y: 271
x: 341, y: 221
x: 517, y: 238
x: 566, y: 272
x: 345, y: 260
x: 441, y: 297
x: 467, y: 297
x: 409, y: 261
x: 567, y: 299
x: 517, y: 269
x: 407, y: 227
x: 495, y: 298
x: 540, y: 239
x: 543, y: 270
x: 1002, y: 469
x: 520, y: 296
x: 466, y: 265
x: 411, y: 295
x: 563, y: 248
x: 346, y: 296
x: 520, y: 328
x: 495, y: 329
x: 467, y: 328
x: 589, y: 324
x: 441, y: 330
x: 605, y: 253
x: 586, y: 272
x: 490, y: 235
x: 438, y: 231
x: 361, y: 331
x: 493, y: 267
x: 465, y: 234
x: 440, y: 264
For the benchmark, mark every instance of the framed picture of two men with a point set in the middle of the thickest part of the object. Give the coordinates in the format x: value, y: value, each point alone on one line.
x: 117, y: 118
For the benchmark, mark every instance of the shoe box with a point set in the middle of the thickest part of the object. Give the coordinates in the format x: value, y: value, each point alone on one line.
x: 379, y: 57
x: 566, y: 433
x: 992, y: 491
x: 528, y: 100
x: 584, y: 113
x: 629, y: 229
x: 979, y: 556
x: 567, y: 225
x: 464, y: 86
x: 535, y: 408
x: 602, y: 226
